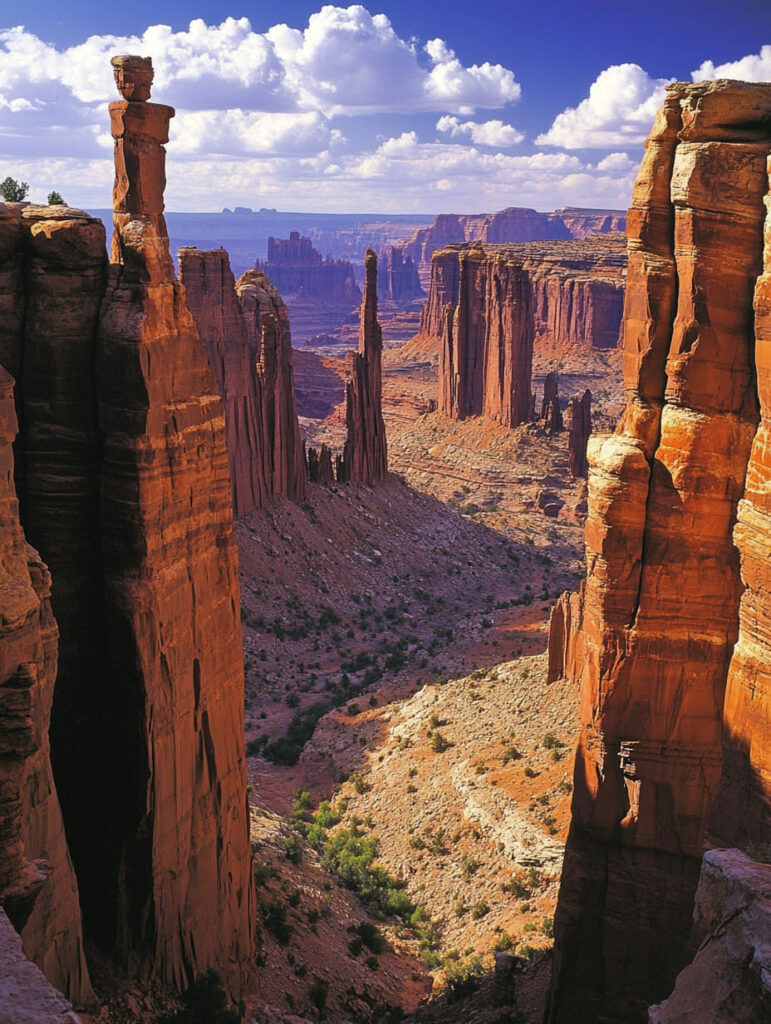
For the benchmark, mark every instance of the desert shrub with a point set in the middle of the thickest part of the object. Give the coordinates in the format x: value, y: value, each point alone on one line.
x: 461, y: 978
x: 480, y: 910
x: 511, y: 754
x: 276, y: 922
x: 317, y: 993
x: 205, y: 1002
x: 439, y: 744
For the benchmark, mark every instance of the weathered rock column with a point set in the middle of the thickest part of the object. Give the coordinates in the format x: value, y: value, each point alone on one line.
x: 579, y: 424
x: 365, y: 456
x: 550, y: 407
x: 170, y: 886
x: 659, y: 616
x: 742, y: 811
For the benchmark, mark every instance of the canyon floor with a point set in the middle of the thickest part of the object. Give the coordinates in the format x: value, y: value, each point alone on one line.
x: 394, y: 654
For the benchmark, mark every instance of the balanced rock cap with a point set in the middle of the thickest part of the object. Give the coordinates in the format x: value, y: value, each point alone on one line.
x: 133, y: 76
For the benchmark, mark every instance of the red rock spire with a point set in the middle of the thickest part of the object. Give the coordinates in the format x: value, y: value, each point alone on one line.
x: 365, y: 456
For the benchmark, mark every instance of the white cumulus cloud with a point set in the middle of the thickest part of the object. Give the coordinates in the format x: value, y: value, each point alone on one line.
x: 486, y: 133
x: 618, y: 111
x: 752, y: 68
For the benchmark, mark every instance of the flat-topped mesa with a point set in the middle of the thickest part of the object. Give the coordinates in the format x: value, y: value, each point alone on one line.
x: 254, y: 379
x: 365, y: 455
x: 654, y: 630
x: 550, y: 406
x: 577, y: 290
x: 293, y: 265
x: 578, y: 421
x: 402, y: 280
x: 486, y: 356
x: 514, y: 224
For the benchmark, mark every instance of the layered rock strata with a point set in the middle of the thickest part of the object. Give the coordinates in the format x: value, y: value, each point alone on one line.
x: 37, y: 882
x: 515, y: 224
x: 577, y: 290
x: 293, y: 265
x: 578, y: 420
x: 245, y: 329
x: 729, y: 979
x: 742, y: 812
x: 123, y: 478
x: 365, y: 455
x: 485, y: 361
x: 657, y: 622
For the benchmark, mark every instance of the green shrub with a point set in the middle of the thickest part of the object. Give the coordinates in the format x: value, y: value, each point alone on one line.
x: 276, y: 922
x: 439, y: 744
x: 480, y: 910
x: 461, y: 978
x: 293, y: 849
x: 511, y: 754
x: 547, y: 927
x: 204, y: 1002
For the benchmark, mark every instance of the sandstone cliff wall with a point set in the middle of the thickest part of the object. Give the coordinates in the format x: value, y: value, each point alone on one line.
x: 577, y: 290
x: 123, y: 478
x: 515, y: 224
x: 485, y: 361
x: 37, y: 882
x: 245, y: 329
x: 658, y: 619
x: 293, y: 265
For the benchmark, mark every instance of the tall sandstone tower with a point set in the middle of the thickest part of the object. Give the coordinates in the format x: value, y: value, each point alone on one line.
x: 661, y: 625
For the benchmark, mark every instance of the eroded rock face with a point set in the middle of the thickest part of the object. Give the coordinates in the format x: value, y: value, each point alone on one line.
x: 551, y: 413
x: 52, y: 277
x: 729, y: 979
x: 742, y: 812
x: 267, y: 319
x: 182, y: 859
x: 577, y: 290
x: 485, y: 362
x: 578, y: 420
x: 293, y: 265
x: 402, y: 280
x: 658, y: 618
x: 365, y: 455
x: 515, y: 224
x: 26, y: 995
x: 245, y: 328
x: 320, y: 467
x: 124, y: 483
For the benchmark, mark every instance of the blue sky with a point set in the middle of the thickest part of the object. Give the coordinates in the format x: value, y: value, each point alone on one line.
x: 394, y: 106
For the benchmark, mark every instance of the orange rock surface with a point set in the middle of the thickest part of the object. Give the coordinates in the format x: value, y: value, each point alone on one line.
x: 485, y: 362
x: 123, y: 481
x: 183, y: 892
x: 658, y: 616
x: 514, y: 224
x: 365, y: 455
x: 742, y: 812
x: 577, y: 290
x: 246, y: 334
x: 37, y: 882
